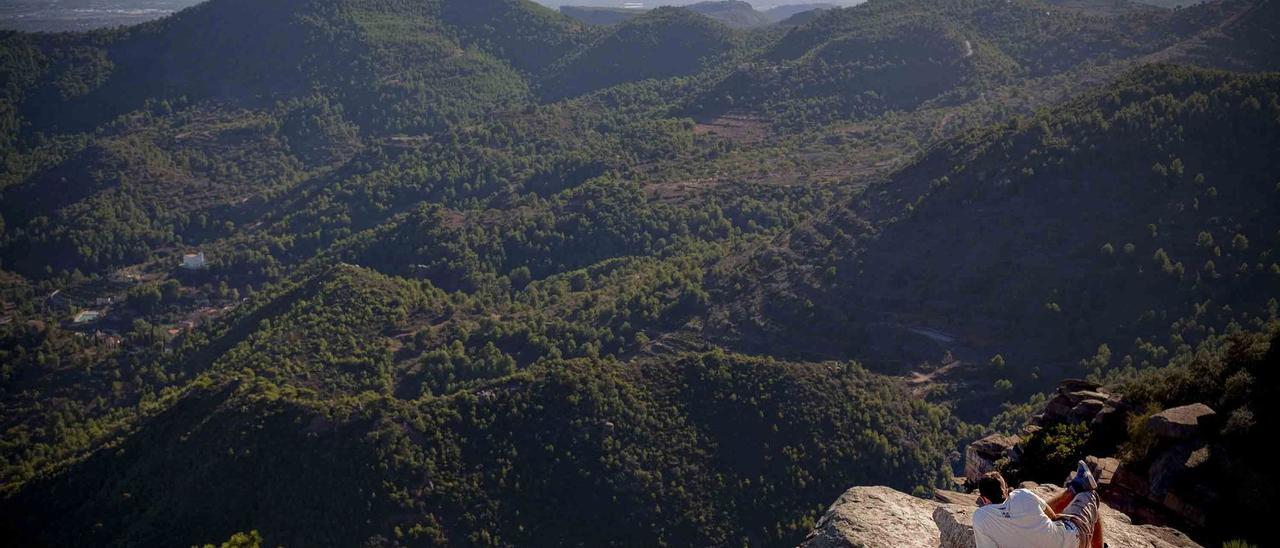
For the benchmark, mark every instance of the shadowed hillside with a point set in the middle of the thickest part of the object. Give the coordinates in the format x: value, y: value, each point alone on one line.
x: 661, y: 43
x: 1105, y: 220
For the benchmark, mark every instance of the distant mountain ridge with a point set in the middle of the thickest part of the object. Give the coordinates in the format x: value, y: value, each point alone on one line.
x: 779, y: 14
x: 293, y: 48
x: 660, y: 43
x: 601, y: 15
x: 734, y: 13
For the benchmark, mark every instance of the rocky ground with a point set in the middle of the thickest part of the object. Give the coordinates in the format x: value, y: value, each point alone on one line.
x: 882, y: 517
x: 1171, y: 485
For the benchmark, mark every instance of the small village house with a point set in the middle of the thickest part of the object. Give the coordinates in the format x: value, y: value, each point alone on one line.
x: 193, y: 261
x: 86, y: 316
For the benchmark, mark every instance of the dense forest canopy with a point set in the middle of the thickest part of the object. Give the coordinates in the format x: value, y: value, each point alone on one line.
x: 447, y: 272
x: 1096, y: 223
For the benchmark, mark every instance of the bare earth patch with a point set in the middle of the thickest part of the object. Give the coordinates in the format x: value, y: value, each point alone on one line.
x: 736, y: 127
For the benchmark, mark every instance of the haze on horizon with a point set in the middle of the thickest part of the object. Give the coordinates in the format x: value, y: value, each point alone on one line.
x: 82, y: 15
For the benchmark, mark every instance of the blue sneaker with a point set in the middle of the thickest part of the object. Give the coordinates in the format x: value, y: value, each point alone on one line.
x: 1083, y: 481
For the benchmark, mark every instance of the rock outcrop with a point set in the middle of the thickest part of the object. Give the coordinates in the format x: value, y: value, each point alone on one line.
x: 1078, y: 401
x: 955, y: 524
x: 1180, y: 423
x: 980, y: 456
x: 1171, y: 482
x: 874, y: 517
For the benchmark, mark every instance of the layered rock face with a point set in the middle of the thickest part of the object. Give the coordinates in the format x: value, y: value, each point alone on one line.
x: 1078, y: 401
x: 1174, y: 484
x: 1181, y: 423
x: 981, y: 456
x: 874, y: 517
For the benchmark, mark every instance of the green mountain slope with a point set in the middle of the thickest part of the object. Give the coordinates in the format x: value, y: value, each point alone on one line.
x: 593, y: 15
x: 733, y: 13
x: 862, y: 74
x: 783, y: 13
x: 1105, y: 220
x: 661, y: 43
x: 893, y: 55
x: 709, y: 449
x: 396, y: 65
x: 152, y: 180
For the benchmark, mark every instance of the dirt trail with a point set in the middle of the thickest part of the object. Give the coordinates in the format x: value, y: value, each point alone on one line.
x: 920, y: 382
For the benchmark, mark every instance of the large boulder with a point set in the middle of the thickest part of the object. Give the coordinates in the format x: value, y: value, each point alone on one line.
x: 875, y: 517
x: 980, y: 456
x: 955, y: 524
x: 1057, y: 409
x: 1180, y: 423
x: 1078, y: 401
x: 1104, y: 468
x: 1087, y: 410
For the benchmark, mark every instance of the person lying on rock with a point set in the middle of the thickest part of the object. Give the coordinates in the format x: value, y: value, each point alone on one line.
x: 1021, y: 519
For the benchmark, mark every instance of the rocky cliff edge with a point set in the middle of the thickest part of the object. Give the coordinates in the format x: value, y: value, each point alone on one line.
x: 875, y: 517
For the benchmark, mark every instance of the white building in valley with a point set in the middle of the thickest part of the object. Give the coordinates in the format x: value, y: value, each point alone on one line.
x: 87, y: 316
x: 193, y: 261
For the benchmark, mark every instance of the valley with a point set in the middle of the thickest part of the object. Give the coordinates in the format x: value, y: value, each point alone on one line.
x: 445, y: 272
x: 81, y: 15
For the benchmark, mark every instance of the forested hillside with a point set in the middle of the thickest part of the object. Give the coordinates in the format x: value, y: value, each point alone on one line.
x: 662, y: 43
x: 732, y: 13
x: 1146, y: 211
x: 898, y: 55
x: 708, y: 449
x: 447, y: 272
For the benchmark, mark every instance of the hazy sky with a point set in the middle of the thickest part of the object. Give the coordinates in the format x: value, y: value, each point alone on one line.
x: 759, y: 4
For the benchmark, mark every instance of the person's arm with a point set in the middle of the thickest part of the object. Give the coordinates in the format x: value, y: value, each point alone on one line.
x: 1048, y: 511
x: 1045, y: 507
x: 1028, y: 501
